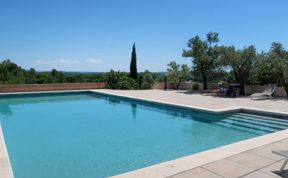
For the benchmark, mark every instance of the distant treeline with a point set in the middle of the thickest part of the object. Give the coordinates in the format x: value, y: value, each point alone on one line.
x: 11, y: 73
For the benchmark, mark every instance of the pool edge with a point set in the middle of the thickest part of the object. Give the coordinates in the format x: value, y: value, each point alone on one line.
x: 5, y: 164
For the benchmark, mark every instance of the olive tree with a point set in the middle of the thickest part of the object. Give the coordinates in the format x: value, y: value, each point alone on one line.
x: 272, y: 67
x: 239, y: 61
x: 177, y: 73
x: 204, y: 54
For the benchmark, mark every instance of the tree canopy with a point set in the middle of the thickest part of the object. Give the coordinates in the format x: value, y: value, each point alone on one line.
x: 177, y: 73
x: 240, y: 61
x: 204, y: 54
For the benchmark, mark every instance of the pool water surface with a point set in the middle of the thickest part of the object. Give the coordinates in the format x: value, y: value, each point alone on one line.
x: 85, y: 134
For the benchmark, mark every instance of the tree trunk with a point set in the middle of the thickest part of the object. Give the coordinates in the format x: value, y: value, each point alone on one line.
x: 237, y: 79
x: 204, y: 77
x: 286, y: 89
x: 178, y: 84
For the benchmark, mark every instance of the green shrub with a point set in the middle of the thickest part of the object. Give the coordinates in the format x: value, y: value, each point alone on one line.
x: 120, y: 80
x: 147, y: 80
x: 127, y: 83
x: 195, y: 86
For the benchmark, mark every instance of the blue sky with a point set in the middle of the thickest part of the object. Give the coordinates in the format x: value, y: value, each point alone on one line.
x: 97, y: 35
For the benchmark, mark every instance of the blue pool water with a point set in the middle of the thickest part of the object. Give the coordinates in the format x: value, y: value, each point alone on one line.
x: 93, y: 135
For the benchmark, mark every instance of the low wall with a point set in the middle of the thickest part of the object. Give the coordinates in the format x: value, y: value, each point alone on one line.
x: 50, y: 87
x: 249, y: 89
x: 183, y: 86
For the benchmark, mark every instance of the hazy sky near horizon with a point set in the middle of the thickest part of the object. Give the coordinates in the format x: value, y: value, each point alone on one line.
x: 97, y: 35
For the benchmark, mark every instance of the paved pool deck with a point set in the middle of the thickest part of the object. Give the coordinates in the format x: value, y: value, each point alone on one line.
x: 252, y: 158
x: 256, y: 163
x: 196, y: 100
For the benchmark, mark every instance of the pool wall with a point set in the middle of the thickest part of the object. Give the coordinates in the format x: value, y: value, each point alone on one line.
x: 50, y: 87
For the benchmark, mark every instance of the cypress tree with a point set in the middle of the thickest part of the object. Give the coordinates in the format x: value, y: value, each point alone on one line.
x: 133, y: 63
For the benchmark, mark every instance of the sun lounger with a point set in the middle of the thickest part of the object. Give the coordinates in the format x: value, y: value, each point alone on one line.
x: 285, y: 155
x: 267, y: 93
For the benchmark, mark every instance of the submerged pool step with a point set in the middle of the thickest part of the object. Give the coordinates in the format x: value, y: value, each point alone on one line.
x: 264, y: 117
x: 241, y: 128
x: 230, y: 122
x: 257, y: 122
x: 270, y: 121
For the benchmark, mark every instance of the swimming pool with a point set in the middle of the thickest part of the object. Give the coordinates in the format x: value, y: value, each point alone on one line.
x: 85, y: 134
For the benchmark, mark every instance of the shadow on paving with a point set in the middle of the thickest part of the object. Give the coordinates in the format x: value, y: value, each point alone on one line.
x: 283, y: 174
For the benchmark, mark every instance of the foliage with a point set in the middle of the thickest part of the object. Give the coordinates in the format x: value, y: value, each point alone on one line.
x: 177, y: 73
x: 204, y: 55
x: 244, y: 66
x: 147, y: 80
x: 11, y: 73
x: 133, y: 64
x: 195, y: 86
x: 120, y: 80
x: 239, y: 61
x: 272, y: 67
x: 30, y: 76
x: 160, y: 77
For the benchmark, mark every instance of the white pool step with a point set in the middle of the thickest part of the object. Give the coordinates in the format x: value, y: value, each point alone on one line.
x: 241, y: 128
x: 257, y: 122
x: 280, y: 122
x: 248, y: 125
x: 264, y: 117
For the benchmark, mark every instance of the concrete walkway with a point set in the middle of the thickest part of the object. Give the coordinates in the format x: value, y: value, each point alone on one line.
x: 256, y: 163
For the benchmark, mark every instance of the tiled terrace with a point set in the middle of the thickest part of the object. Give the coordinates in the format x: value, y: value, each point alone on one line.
x: 255, y: 163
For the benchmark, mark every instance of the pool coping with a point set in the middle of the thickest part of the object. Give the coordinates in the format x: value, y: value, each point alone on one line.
x: 5, y: 164
x: 172, y: 167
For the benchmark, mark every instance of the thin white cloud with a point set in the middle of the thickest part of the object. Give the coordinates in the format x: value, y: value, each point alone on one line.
x: 91, y: 64
x: 96, y: 61
x: 68, y: 61
x: 59, y: 61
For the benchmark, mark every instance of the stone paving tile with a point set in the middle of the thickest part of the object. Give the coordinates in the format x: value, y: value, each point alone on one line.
x: 266, y: 152
x: 257, y: 174
x: 251, y: 160
x: 197, y: 173
x: 281, y: 145
x: 227, y: 168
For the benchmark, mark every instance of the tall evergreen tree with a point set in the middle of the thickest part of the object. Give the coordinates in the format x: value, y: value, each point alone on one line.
x: 133, y: 63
